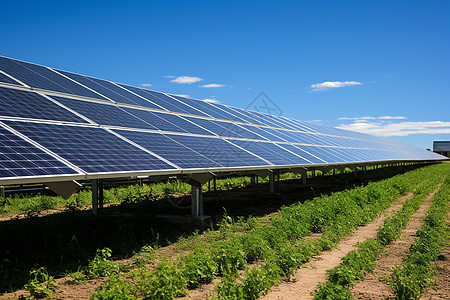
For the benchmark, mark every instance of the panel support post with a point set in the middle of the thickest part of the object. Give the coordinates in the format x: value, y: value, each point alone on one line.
x: 304, y: 176
x: 94, y: 196
x: 2, y: 192
x: 97, y: 196
x: 214, y: 184
x: 100, y: 196
x: 197, y: 201
x: 252, y: 179
x: 274, y: 179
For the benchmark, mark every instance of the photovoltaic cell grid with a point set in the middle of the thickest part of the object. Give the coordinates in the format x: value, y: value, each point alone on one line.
x: 92, y: 149
x: 19, y: 158
x: 43, y: 78
x: 23, y: 104
x: 96, y: 150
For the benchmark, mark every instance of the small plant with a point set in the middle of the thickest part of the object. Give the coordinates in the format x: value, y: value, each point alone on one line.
x: 41, y: 284
x: 78, y: 277
x: 115, y: 288
x: 101, y: 265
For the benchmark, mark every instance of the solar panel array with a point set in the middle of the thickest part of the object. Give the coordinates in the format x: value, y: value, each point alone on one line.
x: 57, y: 124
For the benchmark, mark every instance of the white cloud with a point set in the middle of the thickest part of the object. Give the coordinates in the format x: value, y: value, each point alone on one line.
x: 398, y: 129
x: 323, y: 86
x: 373, y: 118
x: 391, y: 118
x: 182, y: 95
x: 357, y: 118
x: 211, y: 100
x: 147, y: 84
x: 169, y: 76
x: 186, y: 79
x: 212, y: 85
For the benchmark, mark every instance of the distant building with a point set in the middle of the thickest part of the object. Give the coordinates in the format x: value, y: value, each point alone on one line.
x: 442, y: 147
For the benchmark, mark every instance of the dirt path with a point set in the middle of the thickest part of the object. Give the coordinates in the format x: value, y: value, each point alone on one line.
x: 372, y: 287
x: 307, y: 278
x: 443, y: 276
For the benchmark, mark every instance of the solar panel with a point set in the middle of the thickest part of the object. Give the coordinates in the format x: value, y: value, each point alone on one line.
x: 112, y: 91
x: 177, y: 153
x: 94, y: 150
x: 43, y: 78
x: 105, y: 127
x: 24, y: 104
x: 303, y: 153
x: 6, y: 79
x: 19, y: 158
x: 167, y: 122
x: 271, y: 152
x: 104, y: 114
x: 207, y: 108
x: 163, y: 101
x: 220, y: 151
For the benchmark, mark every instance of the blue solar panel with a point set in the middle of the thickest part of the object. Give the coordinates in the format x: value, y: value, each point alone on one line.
x: 171, y: 150
x: 214, y: 127
x: 268, y: 120
x: 167, y: 122
x: 23, y: 104
x: 238, y: 113
x: 262, y: 132
x: 110, y: 90
x: 164, y: 101
x: 105, y: 114
x: 322, y: 153
x: 43, y: 78
x: 271, y: 152
x: 20, y: 158
x: 209, y: 109
x: 6, y: 79
x: 219, y: 151
x: 302, y: 153
x: 92, y: 149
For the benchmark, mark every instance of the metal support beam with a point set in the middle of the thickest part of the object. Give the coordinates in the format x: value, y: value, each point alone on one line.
x: 97, y: 196
x: 215, y: 184
x: 252, y: 179
x: 2, y: 192
x: 304, y: 176
x: 197, y: 201
x: 274, y: 179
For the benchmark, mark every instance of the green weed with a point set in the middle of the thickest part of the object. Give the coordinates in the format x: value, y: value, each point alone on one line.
x: 41, y: 284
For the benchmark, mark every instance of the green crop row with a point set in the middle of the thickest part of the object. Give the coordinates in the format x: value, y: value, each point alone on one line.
x: 417, y: 272
x: 276, y: 247
x: 342, y: 277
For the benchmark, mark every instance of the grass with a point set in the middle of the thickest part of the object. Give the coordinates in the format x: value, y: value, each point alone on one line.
x: 418, y: 272
x: 279, y: 245
x: 356, y: 263
x: 68, y: 243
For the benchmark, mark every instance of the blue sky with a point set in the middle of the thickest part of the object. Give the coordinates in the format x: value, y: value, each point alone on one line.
x: 380, y: 67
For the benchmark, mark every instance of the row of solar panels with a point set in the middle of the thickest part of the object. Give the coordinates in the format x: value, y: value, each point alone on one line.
x: 46, y: 133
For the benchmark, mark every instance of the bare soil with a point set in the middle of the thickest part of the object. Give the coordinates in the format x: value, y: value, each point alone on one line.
x: 305, y: 280
x: 442, y: 290
x: 373, y: 286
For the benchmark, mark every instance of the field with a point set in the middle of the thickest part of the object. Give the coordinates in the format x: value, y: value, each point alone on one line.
x: 331, y: 239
